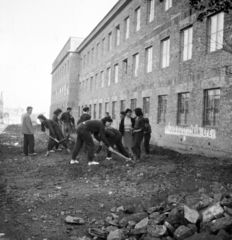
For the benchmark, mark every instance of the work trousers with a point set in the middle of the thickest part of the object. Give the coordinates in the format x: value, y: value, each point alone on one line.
x: 138, y: 137
x: 28, y: 144
x: 117, y: 140
x: 83, y: 136
x: 146, y: 139
x: 66, y: 129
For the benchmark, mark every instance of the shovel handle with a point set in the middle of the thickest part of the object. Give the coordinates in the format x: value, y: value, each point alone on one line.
x: 120, y: 155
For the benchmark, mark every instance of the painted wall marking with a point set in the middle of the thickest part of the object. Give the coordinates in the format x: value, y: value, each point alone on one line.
x: 191, y: 131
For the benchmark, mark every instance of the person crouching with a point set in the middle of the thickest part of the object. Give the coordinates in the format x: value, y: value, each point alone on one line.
x: 55, y: 133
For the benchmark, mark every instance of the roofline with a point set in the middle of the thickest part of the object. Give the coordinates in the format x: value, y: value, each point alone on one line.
x: 110, y: 15
x: 62, y: 59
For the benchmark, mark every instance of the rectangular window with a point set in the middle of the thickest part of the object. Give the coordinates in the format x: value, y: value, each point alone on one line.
x: 88, y: 59
x: 183, y: 108
x: 87, y: 85
x: 116, y: 73
x: 216, y: 27
x: 149, y: 59
x: 91, y: 84
x: 92, y: 55
x: 114, y: 110
x: 137, y: 19
x: 187, y: 45
x: 125, y: 66
x: 135, y: 64
x: 108, y: 75
x: 90, y: 109
x: 103, y: 46
x: 97, y: 51
x: 122, y: 105
x: 165, y: 52
x: 110, y: 41
x: 79, y: 111
x: 117, y: 35
x: 133, y: 104
x: 211, y: 107
x: 94, y: 111
x: 151, y: 10
x: 96, y: 81
x: 107, y: 107
x: 168, y: 4
x: 162, y: 108
x: 100, y: 111
x: 102, y: 79
x: 127, y: 27
x: 84, y: 60
x: 146, y: 106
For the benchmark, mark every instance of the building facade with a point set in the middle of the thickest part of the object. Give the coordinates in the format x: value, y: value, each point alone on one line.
x: 65, y: 77
x: 155, y: 55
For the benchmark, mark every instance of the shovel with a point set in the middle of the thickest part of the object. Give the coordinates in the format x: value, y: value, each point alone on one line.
x: 122, y: 156
x: 54, y: 139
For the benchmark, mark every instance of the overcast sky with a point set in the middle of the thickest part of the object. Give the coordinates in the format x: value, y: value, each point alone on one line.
x: 32, y: 33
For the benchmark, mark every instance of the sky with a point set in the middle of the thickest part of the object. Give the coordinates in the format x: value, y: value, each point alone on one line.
x: 32, y: 33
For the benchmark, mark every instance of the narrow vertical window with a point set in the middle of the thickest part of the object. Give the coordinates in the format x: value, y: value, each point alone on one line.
x: 146, y: 106
x: 91, y: 84
x: 211, y: 107
x: 103, y: 46
x: 117, y: 35
x: 110, y: 41
x: 107, y: 107
x: 151, y: 10
x: 92, y: 55
x: 168, y: 4
x: 216, y: 28
x: 114, y: 110
x: 108, y: 75
x: 122, y: 105
x: 125, y: 66
x: 149, y: 59
x: 100, y: 111
x: 137, y: 19
x: 127, y: 27
x: 97, y: 51
x: 102, y: 79
x: 183, y: 108
x: 116, y: 73
x: 187, y: 45
x: 133, y: 104
x: 135, y: 64
x: 165, y: 52
x: 162, y: 108
x: 96, y: 81
x: 94, y: 111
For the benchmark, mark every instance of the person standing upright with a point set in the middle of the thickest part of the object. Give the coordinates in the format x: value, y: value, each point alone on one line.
x: 56, y: 115
x: 66, y: 120
x: 28, y: 134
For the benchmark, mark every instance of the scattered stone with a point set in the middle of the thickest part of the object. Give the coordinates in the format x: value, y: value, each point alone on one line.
x: 217, y: 224
x: 223, y: 235
x: 137, y: 217
x: 143, y: 223
x: 202, y: 236
x: 129, y: 209
x: 190, y: 214
x: 96, y: 232
x: 115, y: 235
x: 156, y: 230
x: 169, y: 227
x: 228, y: 210
x: 182, y: 232
x: 152, y: 209
x: 193, y: 228
x: 212, y: 212
x: 111, y: 228
x: 74, y: 220
x: 176, y: 199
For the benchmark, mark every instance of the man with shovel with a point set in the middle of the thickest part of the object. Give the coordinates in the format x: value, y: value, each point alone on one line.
x: 55, y: 133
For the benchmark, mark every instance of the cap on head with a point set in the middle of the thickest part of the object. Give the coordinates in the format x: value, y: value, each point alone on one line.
x: 69, y: 108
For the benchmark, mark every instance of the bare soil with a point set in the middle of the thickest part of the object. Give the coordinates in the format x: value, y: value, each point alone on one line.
x: 37, y: 193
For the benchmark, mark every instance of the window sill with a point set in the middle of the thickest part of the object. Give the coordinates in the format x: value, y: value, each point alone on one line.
x: 212, y: 127
x: 215, y: 52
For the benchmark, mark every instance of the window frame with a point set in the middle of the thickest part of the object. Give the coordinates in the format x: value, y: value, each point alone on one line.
x: 167, y: 54
x: 137, y: 19
x: 146, y: 106
x: 127, y: 27
x: 116, y: 69
x: 189, y: 44
x: 183, y: 97
x: 114, y: 103
x: 136, y: 65
x: 149, y: 61
x: 162, y: 108
x: 150, y: 10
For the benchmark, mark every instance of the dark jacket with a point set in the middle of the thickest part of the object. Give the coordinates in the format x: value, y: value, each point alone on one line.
x: 95, y: 127
x: 140, y: 124
x: 66, y: 117
x: 53, y: 127
x: 55, y: 118
x: 84, y: 117
x: 147, y: 130
x: 121, y: 125
x: 109, y: 133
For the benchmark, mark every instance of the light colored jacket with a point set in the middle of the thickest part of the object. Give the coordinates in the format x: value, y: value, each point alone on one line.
x: 27, y: 127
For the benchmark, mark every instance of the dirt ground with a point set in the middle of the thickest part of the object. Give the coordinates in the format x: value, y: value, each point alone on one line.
x: 37, y: 193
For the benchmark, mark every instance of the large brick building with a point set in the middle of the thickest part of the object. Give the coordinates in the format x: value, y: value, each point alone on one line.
x: 156, y: 56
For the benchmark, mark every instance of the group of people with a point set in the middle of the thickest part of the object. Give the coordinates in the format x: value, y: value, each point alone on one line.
x: 128, y: 139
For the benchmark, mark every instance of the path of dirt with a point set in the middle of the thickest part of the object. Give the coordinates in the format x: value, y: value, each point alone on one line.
x: 36, y: 194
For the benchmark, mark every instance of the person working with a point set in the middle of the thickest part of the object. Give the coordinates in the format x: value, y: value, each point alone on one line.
x: 66, y: 120
x: 55, y: 133
x: 85, y: 116
x: 84, y: 131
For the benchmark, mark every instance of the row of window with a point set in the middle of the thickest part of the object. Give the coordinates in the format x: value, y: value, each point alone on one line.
x: 61, y: 91
x: 210, y: 116
x: 61, y: 72
x: 215, y: 43
x: 91, y: 55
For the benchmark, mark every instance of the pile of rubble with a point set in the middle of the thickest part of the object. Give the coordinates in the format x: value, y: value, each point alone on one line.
x: 198, y: 216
